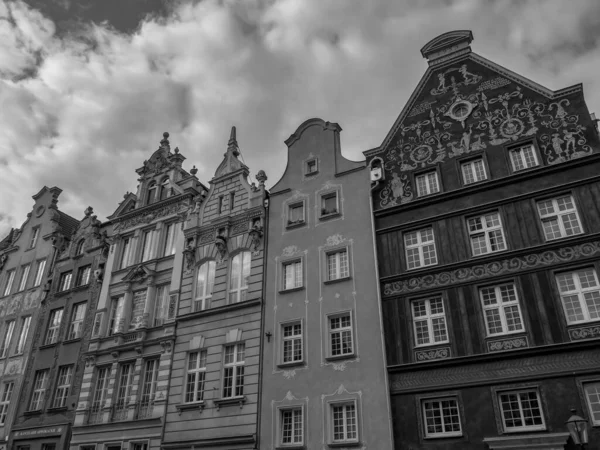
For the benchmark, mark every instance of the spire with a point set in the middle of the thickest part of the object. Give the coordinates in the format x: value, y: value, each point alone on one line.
x: 230, y: 163
x: 232, y: 145
x: 165, y: 140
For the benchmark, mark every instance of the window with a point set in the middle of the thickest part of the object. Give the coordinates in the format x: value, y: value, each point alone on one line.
x: 147, y: 245
x: 521, y: 410
x: 296, y: 213
x: 292, y: 343
x: 53, y: 326
x: 152, y: 188
x: 116, y: 315
x: 63, y: 386
x: 486, y: 234
x: 77, y: 316
x: 79, y: 248
x: 7, y: 389
x: 344, y: 422
x: 292, y: 427
x: 39, y: 388
x: 25, y: 324
x: 231, y: 200
x: 592, y: 396
x: 559, y: 217
x: 233, y: 372
x: 124, y: 384
x: 161, y: 304
x: 10, y: 277
x: 329, y: 204
x: 580, y: 295
x: 292, y: 275
x: 170, y: 239
x: 149, y: 383
x: 420, y: 248
x: 205, y: 281
x: 196, y: 372
x: 337, y: 265
x: 164, y: 189
x: 34, y: 237
x: 48, y: 446
x: 427, y: 183
x: 139, y: 446
x: 8, y: 333
x: 24, y: 276
x: 441, y: 417
x: 125, y: 249
x: 501, y: 309
x: 220, y: 206
x: 240, y: 272
x: 311, y: 167
x: 523, y: 157
x: 473, y: 171
x: 83, y: 276
x: 39, y: 272
x: 65, y: 281
x: 429, y: 321
x: 99, y: 395
x: 340, y: 335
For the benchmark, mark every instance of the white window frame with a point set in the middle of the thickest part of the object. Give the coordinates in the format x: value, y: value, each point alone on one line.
x: 437, y: 404
x: 295, y: 270
x: 7, y: 338
x: 10, y: 278
x: 500, y: 307
x: 290, y: 207
x: 40, y: 384
x: 431, y: 320
x: 100, y: 392
x: 591, y: 392
x: 65, y: 280
x: 291, y: 341
x: 428, y: 183
x: 83, y: 276
x: 308, y: 164
x: 518, y: 392
x: 559, y: 217
x: 53, y: 329
x: 125, y: 254
x: 523, y: 164
x: 79, y: 247
x: 123, y: 388
x: 77, y: 318
x: 348, y: 437
x: 340, y: 270
x: 171, y: 233
x: 337, y: 332
x: 195, y: 377
x: 63, y: 386
x: 419, y: 247
x: 238, y: 291
x: 204, y: 291
x: 35, y: 233
x: 25, y: 325
x: 148, y: 387
x: 24, y: 275
x: 326, y: 196
x: 147, y: 245
x: 580, y: 292
x: 39, y: 272
x: 296, y: 436
x: 470, y: 172
x: 234, y: 365
x: 5, y: 397
x: 161, y: 304
x: 117, y: 308
x: 486, y: 231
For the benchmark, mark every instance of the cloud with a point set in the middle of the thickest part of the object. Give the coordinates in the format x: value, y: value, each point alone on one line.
x: 83, y: 110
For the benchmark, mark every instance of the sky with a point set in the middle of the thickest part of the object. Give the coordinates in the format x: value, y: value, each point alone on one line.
x: 87, y: 87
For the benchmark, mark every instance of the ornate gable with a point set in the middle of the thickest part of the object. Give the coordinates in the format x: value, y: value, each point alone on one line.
x: 231, y: 163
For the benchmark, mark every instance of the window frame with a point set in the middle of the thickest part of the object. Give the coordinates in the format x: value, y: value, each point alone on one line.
x: 170, y: 239
x: 558, y: 215
x: 205, y: 298
x: 115, y: 314
x: 337, y: 253
x: 79, y: 247
x: 289, y: 207
x: 500, y: 307
x: 53, y: 331
x: 439, y: 399
x: 429, y: 318
x: 122, y: 389
x: 425, y: 174
x: 76, y: 332
x: 39, y: 272
x: 147, y: 245
x: 64, y: 389
x: 419, y: 246
x: 520, y: 146
x: 125, y: 251
x: 485, y: 231
x: 509, y: 430
x: 7, y: 336
x: 23, y: 333
x: 5, y: 398
x: 25, y: 269
x: 35, y: 234
x: 199, y: 374
x: 84, y: 275
x: 344, y: 403
x: 470, y: 162
x: 148, y: 386
x: 64, y: 281
x: 293, y: 338
x: 297, y: 280
x: 240, y: 291
x: 323, y: 196
x: 238, y: 371
x: 9, y: 281
x: 592, y: 415
x: 157, y: 320
x: 307, y: 166
x: 580, y: 292
x: 340, y: 330
x: 280, y: 424
x: 40, y: 391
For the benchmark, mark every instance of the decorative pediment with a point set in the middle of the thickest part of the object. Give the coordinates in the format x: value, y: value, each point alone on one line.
x: 127, y: 205
x: 138, y: 274
x: 446, y: 44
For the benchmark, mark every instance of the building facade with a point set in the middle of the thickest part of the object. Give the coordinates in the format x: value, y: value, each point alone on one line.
x: 26, y: 256
x: 486, y: 194
x: 52, y: 380
x: 324, y: 379
x: 128, y: 362
x: 213, y: 398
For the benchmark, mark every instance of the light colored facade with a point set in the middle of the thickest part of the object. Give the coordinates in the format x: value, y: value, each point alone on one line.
x: 324, y: 380
x: 213, y: 394
x: 124, y: 391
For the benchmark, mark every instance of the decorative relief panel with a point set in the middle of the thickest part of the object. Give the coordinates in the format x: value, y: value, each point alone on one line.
x: 507, y: 344
x: 433, y: 354
x: 495, y: 268
x: 582, y: 333
x: 151, y: 216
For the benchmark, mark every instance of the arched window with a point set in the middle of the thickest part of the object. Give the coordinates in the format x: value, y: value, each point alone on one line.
x: 164, y: 189
x: 79, y: 248
x: 151, y: 193
x: 205, y: 280
x: 238, y: 277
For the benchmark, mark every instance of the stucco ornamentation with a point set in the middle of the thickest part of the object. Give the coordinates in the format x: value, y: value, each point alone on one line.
x: 339, y: 366
x: 578, y: 334
x: 433, y: 354
x: 290, y: 250
x: 289, y: 374
x: 336, y: 239
x: 507, y: 344
x: 150, y: 216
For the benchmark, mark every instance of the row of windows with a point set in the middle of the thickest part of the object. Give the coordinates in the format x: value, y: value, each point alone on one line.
x: 157, y: 192
x: 82, y: 279
x: 329, y: 206
x: 62, y: 388
x: 9, y: 329
x: 75, y: 329
x: 160, y: 313
x: 559, y: 219
x: 24, y: 277
x: 149, y: 243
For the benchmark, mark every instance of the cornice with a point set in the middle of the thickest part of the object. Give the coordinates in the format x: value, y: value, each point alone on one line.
x: 149, y: 208
x: 219, y: 310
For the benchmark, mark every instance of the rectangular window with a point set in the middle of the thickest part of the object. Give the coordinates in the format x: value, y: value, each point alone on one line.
x: 292, y: 343
x: 63, y: 386
x: 523, y: 158
x: 83, y: 276
x: 427, y: 184
x: 420, y: 248
x: 196, y: 373
x: 238, y: 277
x: 521, y: 410
x: 34, y: 237
x: 170, y: 239
x: 441, y: 417
x: 99, y: 396
x: 65, y: 281
x: 24, y: 276
x: 341, y: 342
x: 53, y: 326
x: 124, y: 384
x: 231, y: 200
x: 580, y: 295
x: 205, y: 282
x: 473, y: 171
x: 220, y: 206
x: 116, y: 315
x: 39, y: 272
x: 311, y: 166
x: 559, y: 217
x: 5, y: 397
x: 501, y: 309
x: 10, y: 278
x: 39, y: 389
x: 329, y: 204
x: 25, y: 324
x: 233, y: 371
x: 8, y: 333
x: 592, y: 396
x: 292, y: 427
x: 296, y: 213
x: 77, y: 316
x: 161, y: 304
x: 125, y: 249
x: 139, y: 446
x: 344, y: 421
x: 429, y: 321
x: 147, y: 245
x: 337, y: 265
x: 149, y: 384
x: 486, y: 234
x: 292, y: 275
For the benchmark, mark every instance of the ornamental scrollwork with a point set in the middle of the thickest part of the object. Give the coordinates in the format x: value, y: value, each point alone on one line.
x: 578, y: 334
x: 507, y: 344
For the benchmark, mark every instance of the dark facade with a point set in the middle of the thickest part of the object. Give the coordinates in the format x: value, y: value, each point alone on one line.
x: 486, y: 194
x: 52, y: 381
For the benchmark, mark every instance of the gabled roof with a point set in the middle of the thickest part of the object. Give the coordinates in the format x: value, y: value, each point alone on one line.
x: 5, y: 243
x: 67, y: 224
x: 129, y: 200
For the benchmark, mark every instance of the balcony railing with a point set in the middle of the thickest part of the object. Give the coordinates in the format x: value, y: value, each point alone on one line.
x: 130, y: 337
x: 119, y: 411
x: 95, y: 414
x: 144, y: 409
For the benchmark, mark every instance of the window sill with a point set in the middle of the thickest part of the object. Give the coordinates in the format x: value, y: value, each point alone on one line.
x: 295, y: 224
x: 70, y: 341
x: 81, y: 287
x: 54, y: 344
x: 344, y: 444
x: 56, y: 409
x: 190, y: 406
x: 337, y: 280
x: 237, y: 400
x: 306, y: 174
x: 483, y: 255
x: 338, y: 357
x: 285, y: 291
x: 35, y: 412
x: 330, y: 215
x: 61, y: 293
x: 290, y: 364
x: 431, y: 345
x: 444, y: 436
x: 290, y: 447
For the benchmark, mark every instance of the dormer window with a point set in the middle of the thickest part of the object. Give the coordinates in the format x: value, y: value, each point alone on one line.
x: 151, y: 193
x: 164, y: 189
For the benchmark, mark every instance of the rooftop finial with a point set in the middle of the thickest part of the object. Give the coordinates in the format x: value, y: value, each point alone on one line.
x: 232, y: 145
x: 165, y: 141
